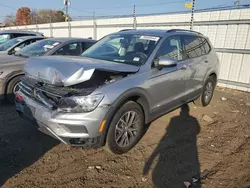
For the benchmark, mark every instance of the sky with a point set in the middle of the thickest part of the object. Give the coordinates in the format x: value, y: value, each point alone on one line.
x: 110, y: 7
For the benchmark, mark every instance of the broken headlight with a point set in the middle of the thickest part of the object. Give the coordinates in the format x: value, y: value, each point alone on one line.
x: 82, y: 103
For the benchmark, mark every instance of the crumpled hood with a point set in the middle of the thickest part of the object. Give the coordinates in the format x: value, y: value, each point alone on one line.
x: 11, y: 60
x: 67, y: 71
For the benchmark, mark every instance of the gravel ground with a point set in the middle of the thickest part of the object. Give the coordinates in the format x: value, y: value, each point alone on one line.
x: 206, y: 147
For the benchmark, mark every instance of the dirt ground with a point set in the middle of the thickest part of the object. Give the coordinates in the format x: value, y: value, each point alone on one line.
x: 207, y: 147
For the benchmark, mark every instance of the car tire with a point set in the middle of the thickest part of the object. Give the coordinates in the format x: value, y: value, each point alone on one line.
x: 126, y: 128
x: 12, y: 86
x: 207, y: 92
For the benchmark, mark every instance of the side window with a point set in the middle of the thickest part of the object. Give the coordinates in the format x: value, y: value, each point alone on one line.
x: 172, y: 47
x: 115, y: 43
x: 23, y: 44
x: 112, y: 46
x: 15, y: 35
x: 4, y: 38
x: 35, y: 40
x: 86, y: 45
x: 195, y: 46
x: 207, y: 47
x: 72, y: 49
x: 26, y: 43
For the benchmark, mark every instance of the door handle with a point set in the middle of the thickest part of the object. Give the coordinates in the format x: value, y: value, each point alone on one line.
x: 184, y: 67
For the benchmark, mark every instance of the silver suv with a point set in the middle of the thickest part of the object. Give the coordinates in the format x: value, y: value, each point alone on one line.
x: 120, y: 84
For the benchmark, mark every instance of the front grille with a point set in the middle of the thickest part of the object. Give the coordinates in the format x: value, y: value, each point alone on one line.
x: 26, y: 89
x: 39, y: 93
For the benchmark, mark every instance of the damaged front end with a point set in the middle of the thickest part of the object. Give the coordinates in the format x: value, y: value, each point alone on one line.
x: 62, y: 96
x: 61, y: 99
x: 68, y: 86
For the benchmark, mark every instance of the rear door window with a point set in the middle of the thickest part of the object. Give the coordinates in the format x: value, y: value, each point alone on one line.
x: 86, y: 45
x: 196, y: 46
x: 72, y: 49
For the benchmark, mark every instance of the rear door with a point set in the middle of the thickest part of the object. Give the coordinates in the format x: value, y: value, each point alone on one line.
x: 196, y: 49
x: 167, y: 85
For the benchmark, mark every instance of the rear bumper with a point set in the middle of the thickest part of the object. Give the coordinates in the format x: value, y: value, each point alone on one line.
x: 72, y: 129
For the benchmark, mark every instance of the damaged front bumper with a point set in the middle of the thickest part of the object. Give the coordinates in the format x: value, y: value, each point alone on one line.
x: 77, y: 129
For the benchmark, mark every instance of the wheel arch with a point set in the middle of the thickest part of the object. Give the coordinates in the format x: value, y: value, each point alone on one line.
x: 213, y: 74
x: 11, y: 77
x: 137, y: 95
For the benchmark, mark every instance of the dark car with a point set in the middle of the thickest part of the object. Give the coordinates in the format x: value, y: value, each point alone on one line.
x: 6, y: 35
x: 12, y: 46
x: 11, y: 66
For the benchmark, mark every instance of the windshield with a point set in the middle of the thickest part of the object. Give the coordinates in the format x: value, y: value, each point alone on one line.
x: 10, y: 43
x: 4, y: 38
x: 38, y: 48
x: 131, y: 49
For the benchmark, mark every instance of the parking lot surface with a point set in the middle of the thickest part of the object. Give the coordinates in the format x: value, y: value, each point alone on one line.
x: 206, y: 147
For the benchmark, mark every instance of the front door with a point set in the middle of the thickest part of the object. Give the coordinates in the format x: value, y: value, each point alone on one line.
x: 167, y: 85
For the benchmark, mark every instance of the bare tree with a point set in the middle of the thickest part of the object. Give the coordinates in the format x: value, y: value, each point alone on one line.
x: 10, y: 20
x: 47, y: 16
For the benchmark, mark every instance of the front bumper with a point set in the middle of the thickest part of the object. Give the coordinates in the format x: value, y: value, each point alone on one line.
x: 80, y: 129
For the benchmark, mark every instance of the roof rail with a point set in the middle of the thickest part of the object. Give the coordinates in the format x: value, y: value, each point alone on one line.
x: 183, y: 30
x: 126, y: 30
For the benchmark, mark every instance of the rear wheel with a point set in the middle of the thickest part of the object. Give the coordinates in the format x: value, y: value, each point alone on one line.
x: 12, y: 89
x: 126, y: 128
x: 207, y: 92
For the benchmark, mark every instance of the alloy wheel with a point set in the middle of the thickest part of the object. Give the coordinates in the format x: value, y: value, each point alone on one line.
x: 127, y: 128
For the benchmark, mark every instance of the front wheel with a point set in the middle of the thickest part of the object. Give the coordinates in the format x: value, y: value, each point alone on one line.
x: 126, y: 128
x: 207, y: 93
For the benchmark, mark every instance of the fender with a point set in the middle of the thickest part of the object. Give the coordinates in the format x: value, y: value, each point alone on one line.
x: 212, y: 72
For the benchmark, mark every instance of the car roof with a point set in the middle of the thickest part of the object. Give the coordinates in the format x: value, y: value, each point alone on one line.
x: 158, y: 32
x: 69, y: 39
x: 20, y: 31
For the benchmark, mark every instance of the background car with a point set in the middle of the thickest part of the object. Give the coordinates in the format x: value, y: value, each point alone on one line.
x: 16, y: 44
x: 10, y: 34
x: 11, y: 66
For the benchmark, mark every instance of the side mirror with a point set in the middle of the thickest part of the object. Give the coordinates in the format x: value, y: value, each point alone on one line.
x: 166, y: 62
x: 11, y: 52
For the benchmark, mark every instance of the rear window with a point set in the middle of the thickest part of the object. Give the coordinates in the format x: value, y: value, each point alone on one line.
x: 196, y: 46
